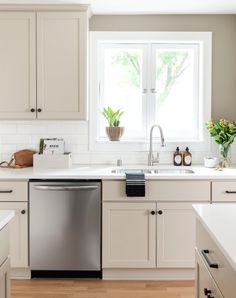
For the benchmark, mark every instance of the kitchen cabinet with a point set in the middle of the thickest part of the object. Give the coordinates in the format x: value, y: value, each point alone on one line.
x: 156, y: 231
x: 18, y: 65
x: 5, y: 279
x: 5, y: 217
x: 61, y: 65
x: 18, y: 233
x: 223, y: 191
x: 129, y: 235
x: 175, y: 235
x: 47, y: 49
x: 205, y: 285
x: 14, y: 196
x: 221, y: 274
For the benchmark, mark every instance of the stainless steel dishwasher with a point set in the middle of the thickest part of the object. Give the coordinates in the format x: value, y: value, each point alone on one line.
x: 65, y: 228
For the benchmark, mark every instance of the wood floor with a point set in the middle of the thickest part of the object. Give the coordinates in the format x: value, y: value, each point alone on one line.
x: 75, y: 288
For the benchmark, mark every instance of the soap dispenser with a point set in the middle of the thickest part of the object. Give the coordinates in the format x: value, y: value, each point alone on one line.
x: 177, y: 157
x: 187, y: 157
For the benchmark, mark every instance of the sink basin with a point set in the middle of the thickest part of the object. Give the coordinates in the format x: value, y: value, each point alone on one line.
x: 172, y: 171
x: 122, y: 171
x: 153, y: 171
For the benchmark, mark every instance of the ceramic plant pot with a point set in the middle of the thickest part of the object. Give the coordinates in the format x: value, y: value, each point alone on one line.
x: 114, y: 133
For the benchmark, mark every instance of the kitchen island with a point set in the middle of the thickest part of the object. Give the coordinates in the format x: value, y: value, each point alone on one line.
x: 5, y: 217
x: 215, y: 250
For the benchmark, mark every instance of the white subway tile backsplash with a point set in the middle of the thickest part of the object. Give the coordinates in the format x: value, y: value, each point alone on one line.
x: 16, y: 139
x: 17, y: 135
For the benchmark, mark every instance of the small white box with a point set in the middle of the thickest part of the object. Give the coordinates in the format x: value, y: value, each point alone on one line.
x: 210, y: 161
x: 55, y: 161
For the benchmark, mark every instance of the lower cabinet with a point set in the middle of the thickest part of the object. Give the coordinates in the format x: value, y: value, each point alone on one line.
x: 205, y: 285
x: 129, y: 235
x: 18, y: 233
x: 175, y: 235
x: 5, y: 279
x: 148, y: 235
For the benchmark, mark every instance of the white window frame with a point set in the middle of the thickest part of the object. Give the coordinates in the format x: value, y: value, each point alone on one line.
x: 204, y: 39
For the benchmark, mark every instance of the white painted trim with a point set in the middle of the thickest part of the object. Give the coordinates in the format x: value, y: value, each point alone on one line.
x: 148, y: 274
x: 205, y: 40
x: 20, y: 273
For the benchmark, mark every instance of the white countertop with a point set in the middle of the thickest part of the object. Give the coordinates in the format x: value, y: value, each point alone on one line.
x: 104, y: 172
x: 220, y: 221
x: 5, y: 217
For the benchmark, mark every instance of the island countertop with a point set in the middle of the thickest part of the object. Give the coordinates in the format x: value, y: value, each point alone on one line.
x: 5, y: 217
x: 220, y: 222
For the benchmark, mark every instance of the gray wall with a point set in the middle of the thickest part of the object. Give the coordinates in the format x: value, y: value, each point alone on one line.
x: 224, y: 47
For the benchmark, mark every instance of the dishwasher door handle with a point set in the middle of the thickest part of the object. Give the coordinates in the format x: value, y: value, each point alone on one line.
x: 65, y: 188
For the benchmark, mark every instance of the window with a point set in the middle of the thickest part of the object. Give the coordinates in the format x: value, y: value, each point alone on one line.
x: 159, y: 78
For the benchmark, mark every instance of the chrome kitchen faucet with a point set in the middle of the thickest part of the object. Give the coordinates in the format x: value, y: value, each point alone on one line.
x: 151, y: 160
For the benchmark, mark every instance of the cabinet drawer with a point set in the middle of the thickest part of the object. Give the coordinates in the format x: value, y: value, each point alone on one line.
x: 161, y: 191
x: 224, y: 275
x: 224, y: 191
x: 205, y: 283
x: 4, y: 247
x: 13, y: 191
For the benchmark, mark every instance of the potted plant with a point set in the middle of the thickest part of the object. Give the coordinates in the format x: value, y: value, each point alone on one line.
x: 114, y: 130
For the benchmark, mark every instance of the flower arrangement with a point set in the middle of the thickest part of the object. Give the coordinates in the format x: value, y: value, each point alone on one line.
x: 224, y: 133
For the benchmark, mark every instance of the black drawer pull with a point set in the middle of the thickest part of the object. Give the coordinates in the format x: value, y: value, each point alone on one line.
x: 6, y: 191
x: 205, y: 253
x: 230, y: 191
x: 206, y: 291
x: 23, y: 212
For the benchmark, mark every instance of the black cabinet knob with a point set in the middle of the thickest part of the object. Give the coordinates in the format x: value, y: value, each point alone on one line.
x: 153, y: 212
x: 39, y: 110
x: 206, y: 291
x: 23, y: 212
x: 32, y: 110
x: 160, y: 212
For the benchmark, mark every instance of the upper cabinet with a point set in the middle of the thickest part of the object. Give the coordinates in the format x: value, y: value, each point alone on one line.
x: 61, y: 65
x: 17, y: 65
x: 43, y: 58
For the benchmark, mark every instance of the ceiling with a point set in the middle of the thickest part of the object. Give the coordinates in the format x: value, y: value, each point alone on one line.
x: 148, y: 6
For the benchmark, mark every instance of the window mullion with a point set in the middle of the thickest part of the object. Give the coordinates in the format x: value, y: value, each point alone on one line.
x: 152, y: 85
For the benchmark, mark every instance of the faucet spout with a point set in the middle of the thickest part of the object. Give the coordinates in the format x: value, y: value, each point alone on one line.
x: 151, y: 159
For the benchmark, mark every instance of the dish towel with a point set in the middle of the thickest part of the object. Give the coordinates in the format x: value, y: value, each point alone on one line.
x: 135, y: 184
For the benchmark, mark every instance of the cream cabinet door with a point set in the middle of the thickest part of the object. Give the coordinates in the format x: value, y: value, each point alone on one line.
x: 5, y: 279
x: 61, y: 65
x: 129, y: 235
x: 175, y: 235
x: 17, y: 65
x: 18, y: 233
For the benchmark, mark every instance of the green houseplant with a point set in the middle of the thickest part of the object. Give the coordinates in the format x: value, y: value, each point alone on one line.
x: 224, y: 133
x: 114, y: 130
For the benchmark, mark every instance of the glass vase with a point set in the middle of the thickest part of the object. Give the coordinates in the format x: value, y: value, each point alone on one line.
x: 224, y: 156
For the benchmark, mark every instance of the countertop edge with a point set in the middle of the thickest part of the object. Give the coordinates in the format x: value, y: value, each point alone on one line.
x: 7, y: 216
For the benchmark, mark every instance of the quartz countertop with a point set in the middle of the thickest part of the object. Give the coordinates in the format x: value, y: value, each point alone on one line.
x: 220, y: 222
x: 5, y: 217
x: 104, y: 172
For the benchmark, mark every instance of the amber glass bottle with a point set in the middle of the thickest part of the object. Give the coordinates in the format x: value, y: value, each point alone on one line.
x: 177, y: 157
x: 187, y: 157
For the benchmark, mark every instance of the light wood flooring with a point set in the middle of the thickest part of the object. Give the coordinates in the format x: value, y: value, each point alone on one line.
x: 77, y: 288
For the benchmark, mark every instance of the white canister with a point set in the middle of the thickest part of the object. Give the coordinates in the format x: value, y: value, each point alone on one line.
x: 210, y: 161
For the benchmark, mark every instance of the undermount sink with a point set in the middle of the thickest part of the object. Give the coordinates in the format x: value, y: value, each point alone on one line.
x: 153, y: 171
